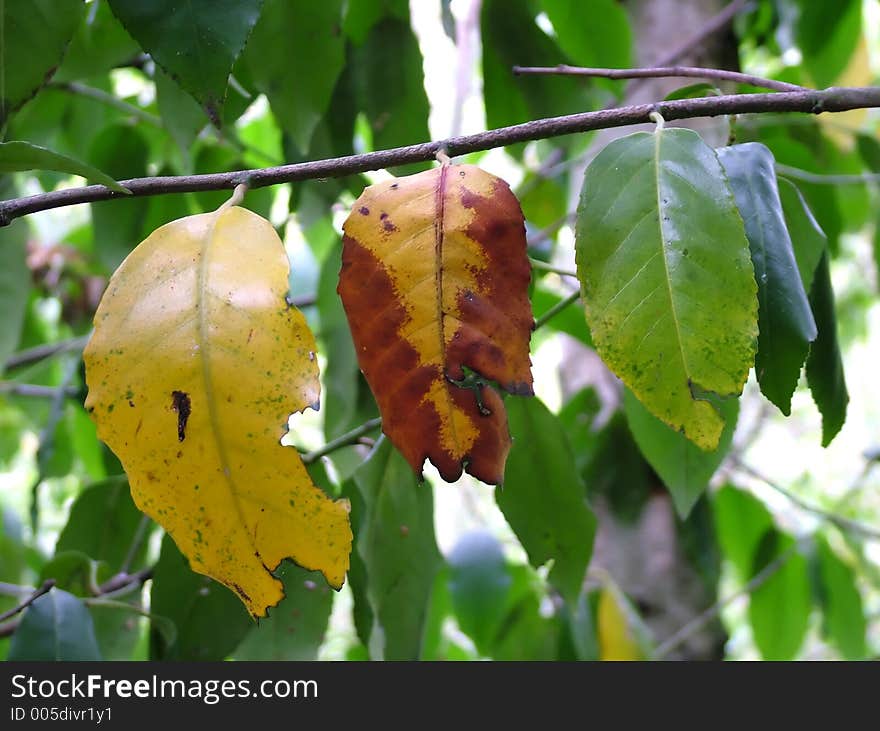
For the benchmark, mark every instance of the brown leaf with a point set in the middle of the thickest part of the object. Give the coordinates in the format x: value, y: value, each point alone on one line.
x: 435, y: 282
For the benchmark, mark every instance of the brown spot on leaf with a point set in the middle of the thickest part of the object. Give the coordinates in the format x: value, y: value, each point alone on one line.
x: 364, y: 211
x: 181, y: 404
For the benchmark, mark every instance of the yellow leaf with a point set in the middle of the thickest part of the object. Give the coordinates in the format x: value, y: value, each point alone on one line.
x: 617, y: 636
x: 195, y: 364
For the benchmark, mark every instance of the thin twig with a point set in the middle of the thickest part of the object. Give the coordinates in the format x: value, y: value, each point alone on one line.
x: 34, y: 390
x: 827, y: 100
x: 701, y: 620
x: 658, y: 72
x: 344, y: 440
x: 41, y: 352
x: 826, y: 179
x: 846, y: 525
x: 557, y: 308
x: 544, y: 266
x: 43, y: 589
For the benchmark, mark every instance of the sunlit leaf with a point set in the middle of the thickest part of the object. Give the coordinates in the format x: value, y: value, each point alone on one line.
x: 667, y: 281
x: 434, y: 282
x: 740, y: 521
x: 841, y: 602
x: 16, y: 156
x: 195, y: 364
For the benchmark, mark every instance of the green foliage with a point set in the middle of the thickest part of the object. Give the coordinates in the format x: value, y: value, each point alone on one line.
x: 17, y: 156
x: 57, y: 626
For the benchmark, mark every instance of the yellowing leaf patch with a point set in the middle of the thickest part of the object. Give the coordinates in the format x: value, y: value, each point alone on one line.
x: 195, y: 364
x: 434, y: 281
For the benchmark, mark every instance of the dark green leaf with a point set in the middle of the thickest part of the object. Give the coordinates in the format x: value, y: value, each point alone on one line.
x: 580, y: 628
x: 395, y: 540
x: 525, y: 633
x: 103, y: 522
x: 117, y: 224
x: 827, y: 34
x: 296, y: 53
x: 198, y: 606
x: 75, y: 572
x: 825, y: 363
x: 779, y: 609
x: 668, y: 285
x: 33, y: 37
x: 99, y: 44
x: 357, y: 572
x: 595, y: 33
x: 16, y: 156
x: 361, y: 16
x: 841, y: 603
x: 118, y: 630
x: 509, y: 38
x: 295, y: 628
x: 14, y: 286
x: 740, y: 521
x: 544, y: 200
x: 390, y: 86
x: 479, y: 582
x: 785, y: 322
x: 12, y: 555
x: 543, y: 497
x: 196, y: 43
x: 684, y: 468
x: 807, y: 237
x: 57, y: 626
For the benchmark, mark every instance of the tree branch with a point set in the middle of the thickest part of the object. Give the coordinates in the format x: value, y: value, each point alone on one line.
x: 827, y: 178
x: 41, y: 352
x: 836, y: 99
x: 11, y: 388
x: 658, y: 72
x: 44, y: 589
x: 350, y: 437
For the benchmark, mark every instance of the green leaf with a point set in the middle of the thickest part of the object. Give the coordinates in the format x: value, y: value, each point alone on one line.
x: 341, y: 376
x: 785, y: 322
x: 118, y: 630
x: 543, y: 496
x: 595, y: 33
x: 825, y: 364
x: 684, y: 468
x: 57, y: 626
x: 841, y: 603
x: 693, y: 91
x: 99, y: 44
x: 181, y: 115
x: 75, y: 572
x: 525, y: 633
x: 197, y: 606
x: 510, y: 37
x: 362, y: 612
x: 295, y: 628
x: 390, y: 87
x: 361, y: 16
x: 117, y: 225
x: 33, y: 37
x: 779, y: 609
x: 480, y: 583
x: 807, y: 237
x: 395, y: 540
x: 102, y: 524
x: 196, y: 43
x: 827, y: 34
x: 295, y: 54
x: 14, y: 286
x: 667, y: 281
x: 740, y: 521
x: 17, y: 156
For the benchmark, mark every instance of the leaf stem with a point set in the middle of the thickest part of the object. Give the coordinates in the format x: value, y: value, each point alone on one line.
x: 343, y: 440
x: 544, y: 266
x: 557, y: 308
